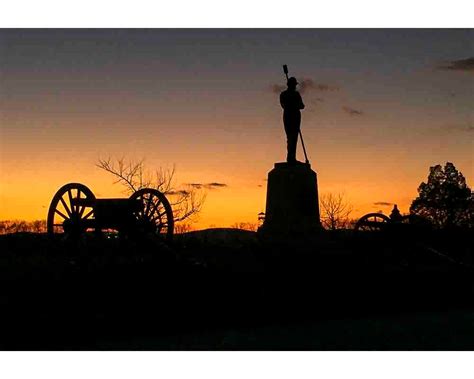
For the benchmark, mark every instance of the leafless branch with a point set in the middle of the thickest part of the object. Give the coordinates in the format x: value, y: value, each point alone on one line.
x: 186, y: 202
x: 335, y: 211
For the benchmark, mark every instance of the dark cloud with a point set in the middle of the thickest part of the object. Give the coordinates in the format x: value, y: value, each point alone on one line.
x: 383, y: 203
x: 195, y: 185
x: 306, y: 85
x: 277, y: 88
x: 466, y: 128
x: 458, y: 65
x: 352, y: 111
x: 179, y: 192
x: 326, y: 87
x: 213, y: 185
x: 460, y: 127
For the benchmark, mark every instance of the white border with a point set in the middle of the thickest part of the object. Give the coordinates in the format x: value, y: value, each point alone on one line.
x: 239, y: 365
x: 242, y: 13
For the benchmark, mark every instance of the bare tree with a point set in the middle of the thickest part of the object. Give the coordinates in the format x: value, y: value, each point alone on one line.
x: 186, y: 202
x: 335, y: 211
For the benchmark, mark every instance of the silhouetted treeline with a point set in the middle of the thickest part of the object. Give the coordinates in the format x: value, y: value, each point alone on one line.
x: 15, y: 226
x: 250, y: 226
x: 183, y: 228
x: 39, y: 226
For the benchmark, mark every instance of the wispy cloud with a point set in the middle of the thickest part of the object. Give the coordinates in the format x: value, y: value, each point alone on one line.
x: 195, y: 185
x: 352, y: 111
x: 460, y: 127
x: 458, y: 65
x: 277, y: 88
x: 213, y: 185
x: 306, y: 85
x: 383, y: 203
x: 309, y: 84
x: 178, y: 192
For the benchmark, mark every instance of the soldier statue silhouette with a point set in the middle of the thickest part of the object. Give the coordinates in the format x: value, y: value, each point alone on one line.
x: 292, y: 103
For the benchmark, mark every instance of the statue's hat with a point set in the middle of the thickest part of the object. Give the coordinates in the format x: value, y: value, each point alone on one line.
x: 292, y: 81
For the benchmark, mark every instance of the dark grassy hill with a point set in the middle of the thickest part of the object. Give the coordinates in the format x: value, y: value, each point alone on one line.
x: 230, y: 289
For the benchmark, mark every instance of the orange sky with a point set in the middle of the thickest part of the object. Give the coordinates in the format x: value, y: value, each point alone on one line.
x: 209, y: 109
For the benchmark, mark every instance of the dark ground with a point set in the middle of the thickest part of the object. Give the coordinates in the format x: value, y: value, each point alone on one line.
x: 227, y: 290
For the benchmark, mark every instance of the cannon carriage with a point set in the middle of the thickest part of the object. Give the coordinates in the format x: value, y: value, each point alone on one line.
x: 74, y: 210
x: 376, y: 222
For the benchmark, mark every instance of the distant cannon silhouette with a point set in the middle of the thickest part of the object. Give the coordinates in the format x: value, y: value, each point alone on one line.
x: 74, y: 210
x: 375, y: 222
x: 372, y: 222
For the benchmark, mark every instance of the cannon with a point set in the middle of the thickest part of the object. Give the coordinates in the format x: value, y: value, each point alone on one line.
x: 374, y: 222
x: 74, y: 210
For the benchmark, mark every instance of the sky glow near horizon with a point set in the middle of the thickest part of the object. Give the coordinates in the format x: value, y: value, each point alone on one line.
x: 382, y: 106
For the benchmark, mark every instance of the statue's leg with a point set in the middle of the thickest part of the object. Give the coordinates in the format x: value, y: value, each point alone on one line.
x: 292, y: 140
x: 288, y: 137
x: 292, y: 123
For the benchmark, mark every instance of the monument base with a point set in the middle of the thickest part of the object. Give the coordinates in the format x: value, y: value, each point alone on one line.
x: 292, y: 200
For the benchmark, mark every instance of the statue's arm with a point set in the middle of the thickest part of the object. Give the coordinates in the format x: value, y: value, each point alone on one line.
x: 281, y: 101
x: 301, y: 102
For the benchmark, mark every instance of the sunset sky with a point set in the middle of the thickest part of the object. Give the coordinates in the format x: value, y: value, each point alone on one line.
x: 382, y: 106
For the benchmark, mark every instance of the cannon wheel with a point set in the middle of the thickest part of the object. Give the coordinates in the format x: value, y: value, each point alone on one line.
x: 66, y: 217
x: 154, y: 214
x: 371, y: 222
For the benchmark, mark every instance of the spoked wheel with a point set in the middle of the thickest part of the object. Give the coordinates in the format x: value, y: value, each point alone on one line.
x: 71, y: 210
x: 153, y: 213
x: 372, y: 222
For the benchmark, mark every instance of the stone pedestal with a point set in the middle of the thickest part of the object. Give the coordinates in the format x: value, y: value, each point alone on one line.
x: 292, y: 200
